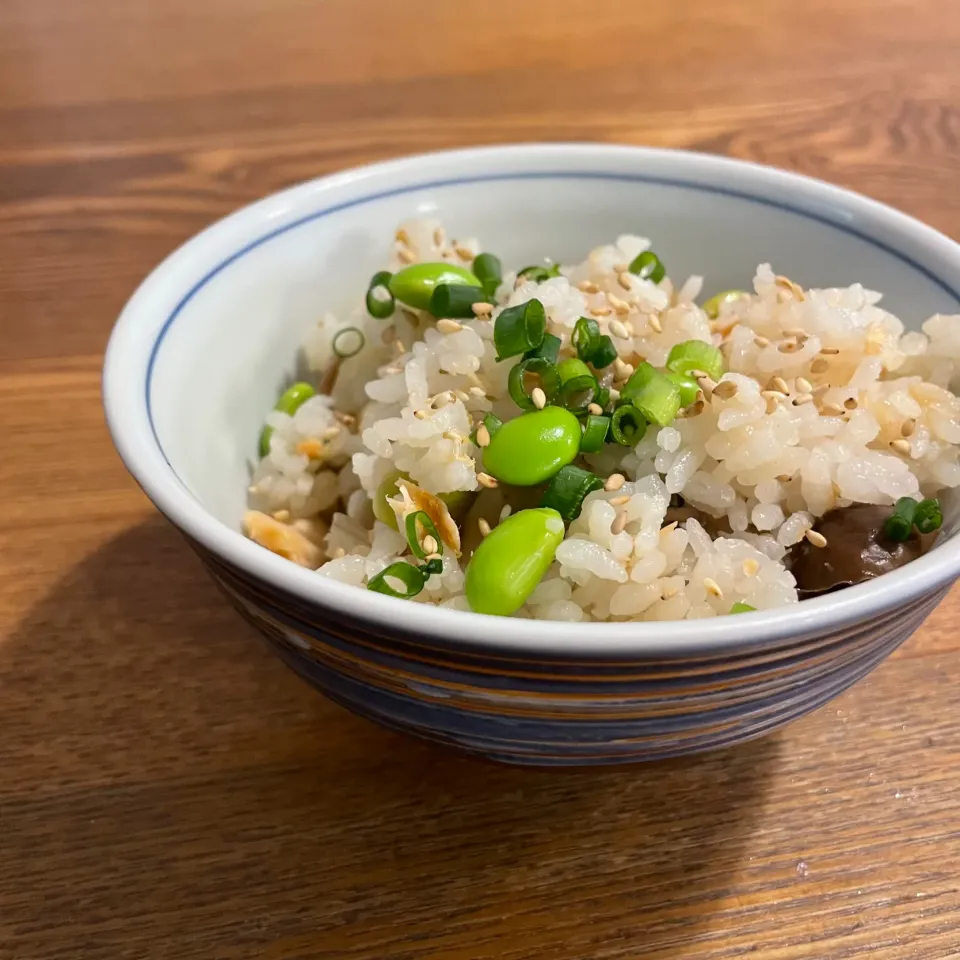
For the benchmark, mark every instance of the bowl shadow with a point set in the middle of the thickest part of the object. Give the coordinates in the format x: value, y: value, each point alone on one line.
x: 143, y: 719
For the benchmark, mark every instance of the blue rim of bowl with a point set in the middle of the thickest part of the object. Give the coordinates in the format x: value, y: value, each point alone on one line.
x: 518, y: 175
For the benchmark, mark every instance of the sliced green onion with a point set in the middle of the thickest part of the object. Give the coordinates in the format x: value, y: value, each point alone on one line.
x: 741, y: 607
x: 519, y: 329
x: 567, y: 490
x: 410, y: 578
x: 602, y: 398
x: 627, y: 425
x: 455, y: 300
x: 291, y: 400
x: 539, y: 273
x: 380, y: 301
x: 899, y: 525
x: 713, y: 306
x: 529, y: 374
x: 415, y: 538
x: 647, y: 266
x: 549, y: 349
x: 658, y: 401
x: 577, y: 393
x: 929, y: 516
x: 696, y: 355
x: 604, y: 354
x: 431, y: 567
x: 586, y: 337
x: 688, y: 387
x: 348, y: 342
x: 487, y: 269
x: 645, y: 373
x: 571, y: 368
x: 595, y: 431
x: 492, y: 422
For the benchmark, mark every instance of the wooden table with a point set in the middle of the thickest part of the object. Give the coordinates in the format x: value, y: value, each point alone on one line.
x: 167, y: 788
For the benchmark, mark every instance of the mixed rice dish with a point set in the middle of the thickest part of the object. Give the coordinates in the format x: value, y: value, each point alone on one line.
x: 589, y: 443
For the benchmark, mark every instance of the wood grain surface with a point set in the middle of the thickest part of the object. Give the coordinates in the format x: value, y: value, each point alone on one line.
x: 168, y: 789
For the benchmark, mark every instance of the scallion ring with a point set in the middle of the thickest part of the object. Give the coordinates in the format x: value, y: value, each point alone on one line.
x: 595, y: 429
x: 417, y: 527
x: 549, y: 349
x: 519, y: 329
x: 586, y: 338
x: 431, y: 567
x: 577, y: 393
x: 688, y: 387
x: 644, y: 373
x: 696, y: 355
x: 455, y: 300
x: 348, y: 342
x: 380, y: 301
x: 658, y: 401
x: 539, y: 273
x: 529, y: 374
x: 487, y: 269
x: 568, y: 489
x: 899, y: 525
x: 647, y: 266
x: 627, y: 425
x: 408, y: 580
x: 741, y: 607
x: 604, y: 354
x: 929, y: 516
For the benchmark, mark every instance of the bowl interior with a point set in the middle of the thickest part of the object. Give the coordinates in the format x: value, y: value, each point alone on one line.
x: 228, y: 341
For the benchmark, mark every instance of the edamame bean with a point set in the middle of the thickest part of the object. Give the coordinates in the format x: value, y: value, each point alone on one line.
x: 713, y: 306
x: 531, y: 448
x: 414, y: 285
x: 291, y: 400
x: 512, y: 559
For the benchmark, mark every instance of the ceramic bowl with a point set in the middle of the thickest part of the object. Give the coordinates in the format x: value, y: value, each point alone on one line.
x: 202, y: 349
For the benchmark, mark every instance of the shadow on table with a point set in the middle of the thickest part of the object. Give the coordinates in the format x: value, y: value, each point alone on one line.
x: 155, y: 726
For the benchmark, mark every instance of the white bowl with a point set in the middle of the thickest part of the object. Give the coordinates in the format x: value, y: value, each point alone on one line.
x: 203, y: 347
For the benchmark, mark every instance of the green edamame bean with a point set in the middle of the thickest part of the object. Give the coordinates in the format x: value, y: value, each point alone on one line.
x: 713, y: 306
x: 291, y: 400
x: 531, y: 448
x: 414, y: 285
x: 511, y: 560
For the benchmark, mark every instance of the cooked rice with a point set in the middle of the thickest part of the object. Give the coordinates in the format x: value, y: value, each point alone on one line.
x: 827, y: 402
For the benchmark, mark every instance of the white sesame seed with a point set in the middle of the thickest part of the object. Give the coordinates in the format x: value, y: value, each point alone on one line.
x: 712, y: 587
x: 620, y: 501
x: 483, y: 436
x: 655, y: 325
x: 801, y: 399
x: 428, y: 544
x: 623, y: 281
x: 909, y: 428
x: 618, y: 329
x: 588, y: 286
x: 420, y: 414
x: 601, y: 311
x: 595, y: 409
x: 832, y: 410
x: 795, y: 332
x: 619, y: 522
x: 462, y: 252
x: 484, y: 527
x: 779, y: 384
x: 829, y: 351
x: 707, y: 385
x: 850, y: 403
x: 438, y: 237
x: 477, y: 392
x: 726, y: 390
x: 405, y: 256
x: 902, y: 447
x: 538, y: 397
x: 447, y: 325
x: 761, y: 342
x: 338, y: 553
x: 803, y: 385
x: 614, y: 482
x: 485, y: 480
x: 481, y: 308
x: 820, y: 365
x: 621, y: 306
x: 281, y: 516
x: 816, y: 538
x: 505, y: 512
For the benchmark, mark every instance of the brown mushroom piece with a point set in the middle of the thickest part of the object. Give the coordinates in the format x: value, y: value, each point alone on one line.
x: 856, y: 550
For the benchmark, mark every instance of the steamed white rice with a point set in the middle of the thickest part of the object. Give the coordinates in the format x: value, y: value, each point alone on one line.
x: 880, y: 423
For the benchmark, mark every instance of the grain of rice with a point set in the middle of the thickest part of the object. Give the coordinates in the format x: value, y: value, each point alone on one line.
x: 712, y: 587
x: 750, y: 567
